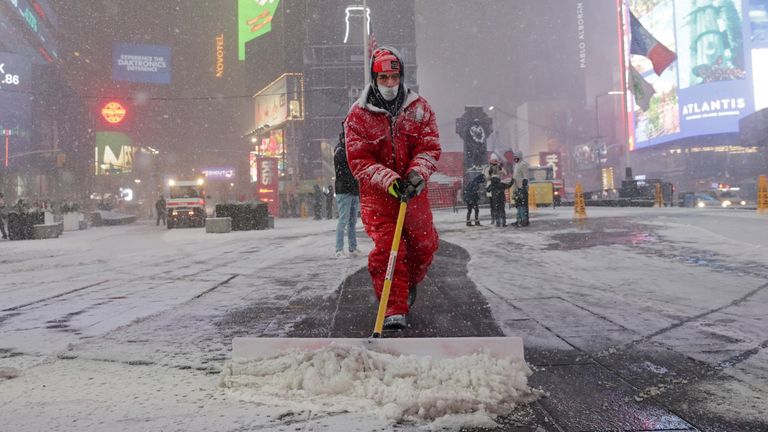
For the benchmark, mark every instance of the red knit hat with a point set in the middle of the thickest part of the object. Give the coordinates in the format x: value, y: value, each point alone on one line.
x: 385, y: 61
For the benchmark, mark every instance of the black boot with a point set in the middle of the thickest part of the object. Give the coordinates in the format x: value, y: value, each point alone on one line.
x: 411, y: 296
x: 477, y: 222
x: 469, y: 223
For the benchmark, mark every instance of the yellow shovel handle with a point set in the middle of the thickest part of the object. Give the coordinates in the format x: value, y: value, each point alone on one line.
x: 390, y: 271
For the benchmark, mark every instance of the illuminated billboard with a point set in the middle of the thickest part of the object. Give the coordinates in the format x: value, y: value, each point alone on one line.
x: 15, y: 105
x: 141, y: 63
x: 39, y: 19
x: 272, y: 145
x: 114, y: 153
x: 710, y: 87
x: 281, y: 100
x: 254, y: 18
x: 222, y: 174
x: 758, y: 27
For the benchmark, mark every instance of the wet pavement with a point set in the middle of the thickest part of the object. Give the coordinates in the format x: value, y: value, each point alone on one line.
x: 643, y: 387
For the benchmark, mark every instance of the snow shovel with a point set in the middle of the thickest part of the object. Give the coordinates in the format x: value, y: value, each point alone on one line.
x: 250, y: 348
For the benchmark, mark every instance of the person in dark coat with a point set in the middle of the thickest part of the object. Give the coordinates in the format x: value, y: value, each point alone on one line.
x: 329, y: 197
x: 3, y: 216
x: 497, y: 189
x: 347, y: 199
x: 161, y: 212
x: 471, y: 198
x: 317, y: 202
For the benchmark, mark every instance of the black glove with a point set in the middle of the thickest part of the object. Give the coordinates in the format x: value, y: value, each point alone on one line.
x: 398, y: 190
x: 415, y: 184
x: 525, y: 183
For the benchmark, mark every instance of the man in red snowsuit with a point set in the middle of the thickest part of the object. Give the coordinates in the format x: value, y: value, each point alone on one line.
x: 392, y: 148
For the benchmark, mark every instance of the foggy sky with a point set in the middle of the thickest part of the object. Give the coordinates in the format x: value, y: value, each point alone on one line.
x: 503, y: 53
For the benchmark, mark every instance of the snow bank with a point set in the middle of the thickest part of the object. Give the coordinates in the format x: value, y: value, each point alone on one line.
x: 455, y: 392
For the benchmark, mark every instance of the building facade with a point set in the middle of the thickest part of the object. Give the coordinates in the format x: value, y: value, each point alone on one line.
x: 306, y: 72
x: 42, y: 122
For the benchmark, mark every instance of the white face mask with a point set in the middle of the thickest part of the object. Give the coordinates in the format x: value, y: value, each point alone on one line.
x: 388, y: 93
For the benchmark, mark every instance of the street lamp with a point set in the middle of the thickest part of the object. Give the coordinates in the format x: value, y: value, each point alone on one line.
x: 597, y: 111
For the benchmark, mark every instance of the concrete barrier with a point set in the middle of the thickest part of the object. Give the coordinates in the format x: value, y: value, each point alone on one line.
x: 46, y: 231
x: 218, y: 225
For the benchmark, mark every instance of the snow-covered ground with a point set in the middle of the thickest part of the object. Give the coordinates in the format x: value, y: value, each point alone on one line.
x: 120, y: 328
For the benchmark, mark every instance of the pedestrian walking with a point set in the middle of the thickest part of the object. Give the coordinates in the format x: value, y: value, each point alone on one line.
x: 160, y: 209
x: 472, y: 199
x: 393, y: 147
x: 347, y: 199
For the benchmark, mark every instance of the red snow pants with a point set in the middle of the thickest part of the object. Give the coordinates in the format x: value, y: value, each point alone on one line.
x: 417, y: 247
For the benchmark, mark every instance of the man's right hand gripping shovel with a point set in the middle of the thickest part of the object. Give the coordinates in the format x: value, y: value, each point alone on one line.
x: 399, y: 190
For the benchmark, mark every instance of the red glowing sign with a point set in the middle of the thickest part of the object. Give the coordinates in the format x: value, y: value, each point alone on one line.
x: 113, y: 112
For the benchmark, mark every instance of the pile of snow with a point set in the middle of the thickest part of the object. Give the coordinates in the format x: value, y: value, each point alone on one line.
x: 461, y: 391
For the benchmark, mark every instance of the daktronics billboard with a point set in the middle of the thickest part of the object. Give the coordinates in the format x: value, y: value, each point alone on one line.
x: 710, y: 86
x: 141, y: 63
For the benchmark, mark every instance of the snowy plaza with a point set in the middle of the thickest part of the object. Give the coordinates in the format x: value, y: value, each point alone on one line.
x: 633, y: 319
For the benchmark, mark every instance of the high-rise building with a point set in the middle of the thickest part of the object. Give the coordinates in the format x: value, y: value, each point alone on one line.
x: 41, y: 127
x: 305, y: 68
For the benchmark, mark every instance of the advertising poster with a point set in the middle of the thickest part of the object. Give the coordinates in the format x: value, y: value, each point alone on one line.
x: 267, y: 185
x: 273, y: 145
x: 280, y: 101
x: 114, y: 153
x: 758, y: 28
x: 40, y: 20
x: 710, y: 86
x: 15, y: 106
x: 253, y: 166
x: 585, y: 156
x: 141, y: 63
x: 271, y: 105
x: 254, y: 19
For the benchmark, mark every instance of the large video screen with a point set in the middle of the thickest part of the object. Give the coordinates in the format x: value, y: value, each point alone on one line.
x: 712, y: 84
x: 39, y: 19
x: 15, y: 105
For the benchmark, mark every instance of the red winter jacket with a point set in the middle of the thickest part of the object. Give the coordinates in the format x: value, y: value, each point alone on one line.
x: 380, y: 150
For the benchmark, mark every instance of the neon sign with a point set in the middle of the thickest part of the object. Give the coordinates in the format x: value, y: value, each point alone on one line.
x: 357, y: 11
x: 219, y: 56
x: 113, y: 112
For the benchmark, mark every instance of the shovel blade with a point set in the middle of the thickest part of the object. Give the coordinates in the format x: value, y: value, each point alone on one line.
x: 248, y: 348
